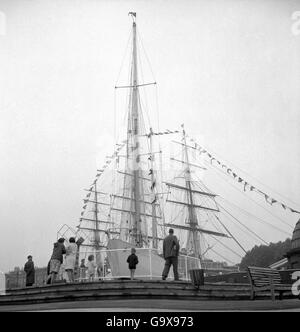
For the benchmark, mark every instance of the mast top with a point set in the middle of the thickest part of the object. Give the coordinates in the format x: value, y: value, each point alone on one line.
x: 133, y: 16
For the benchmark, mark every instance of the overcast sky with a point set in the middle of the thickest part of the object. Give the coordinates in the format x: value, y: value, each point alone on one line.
x: 230, y: 70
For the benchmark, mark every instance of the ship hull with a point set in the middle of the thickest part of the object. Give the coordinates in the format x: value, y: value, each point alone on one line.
x: 150, y: 265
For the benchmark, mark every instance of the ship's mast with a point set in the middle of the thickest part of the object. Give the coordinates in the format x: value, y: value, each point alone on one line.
x: 154, y: 219
x: 135, y: 132
x: 97, y: 233
x: 193, y: 236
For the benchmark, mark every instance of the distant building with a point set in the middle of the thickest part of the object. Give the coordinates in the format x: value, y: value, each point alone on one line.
x: 17, y: 277
x: 213, y: 268
x: 280, y: 265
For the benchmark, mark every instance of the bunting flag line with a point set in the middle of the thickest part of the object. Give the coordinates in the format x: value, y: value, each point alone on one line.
x: 270, y: 200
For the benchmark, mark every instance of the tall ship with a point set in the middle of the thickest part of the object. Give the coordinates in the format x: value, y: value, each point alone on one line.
x: 143, y: 190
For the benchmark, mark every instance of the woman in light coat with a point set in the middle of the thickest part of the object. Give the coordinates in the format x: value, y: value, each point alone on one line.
x: 71, y: 251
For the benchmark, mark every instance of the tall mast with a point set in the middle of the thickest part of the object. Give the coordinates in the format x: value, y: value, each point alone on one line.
x: 154, y: 219
x: 135, y: 125
x: 193, y: 233
x: 97, y: 233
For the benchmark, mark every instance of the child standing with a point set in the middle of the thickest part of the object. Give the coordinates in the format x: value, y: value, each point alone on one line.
x: 91, y: 266
x: 132, y: 261
x: 83, y: 269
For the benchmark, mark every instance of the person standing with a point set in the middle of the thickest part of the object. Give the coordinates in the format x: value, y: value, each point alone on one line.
x: 83, y: 269
x: 71, y: 251
x: 91, y: 267
x: 30, y: 272
x: 170, y: 253
x: 57, y: 258
x: 132, y: 261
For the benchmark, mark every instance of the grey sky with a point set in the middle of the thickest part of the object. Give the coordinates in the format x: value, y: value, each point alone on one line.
x: 230, y: 70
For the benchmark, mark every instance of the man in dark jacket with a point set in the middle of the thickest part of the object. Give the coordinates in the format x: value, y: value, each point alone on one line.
x: 30, y: 272
x: 170, y: 253
x: 57, y: 258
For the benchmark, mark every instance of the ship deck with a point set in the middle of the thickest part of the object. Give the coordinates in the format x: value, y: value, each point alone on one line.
x: 140, y: 295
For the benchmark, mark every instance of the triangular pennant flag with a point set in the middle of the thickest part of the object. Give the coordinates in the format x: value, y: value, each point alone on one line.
x: 294, y: 211
x: 153, y: 185
x: 273, y: 201
x: 267, y: 199
x: 153, y: 199
x: 240, y: 179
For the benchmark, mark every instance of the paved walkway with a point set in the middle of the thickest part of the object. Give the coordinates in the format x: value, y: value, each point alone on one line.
x: 151, y: 305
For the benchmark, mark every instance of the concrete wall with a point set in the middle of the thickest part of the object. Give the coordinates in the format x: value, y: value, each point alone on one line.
x: 17, y: 279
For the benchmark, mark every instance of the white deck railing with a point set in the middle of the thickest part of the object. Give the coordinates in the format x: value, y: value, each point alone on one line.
x: 150, y: 266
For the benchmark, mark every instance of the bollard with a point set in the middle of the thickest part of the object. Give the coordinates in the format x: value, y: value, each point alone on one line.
x: 197, y: 277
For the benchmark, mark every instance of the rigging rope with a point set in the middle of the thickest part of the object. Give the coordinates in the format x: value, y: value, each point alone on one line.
x: 237, y: 242
x: 226, y: 259
x: 225, y: 246
x: 261, y: 239
x: 259, y: 219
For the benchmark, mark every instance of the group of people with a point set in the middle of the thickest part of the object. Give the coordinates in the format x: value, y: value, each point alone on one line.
x: 56, y: 260
x: 170, y: 254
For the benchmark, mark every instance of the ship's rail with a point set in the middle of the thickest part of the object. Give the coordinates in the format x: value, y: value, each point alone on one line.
x: 151, y: 265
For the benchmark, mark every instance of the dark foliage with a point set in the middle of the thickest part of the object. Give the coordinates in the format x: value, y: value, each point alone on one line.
x: 264, y: 256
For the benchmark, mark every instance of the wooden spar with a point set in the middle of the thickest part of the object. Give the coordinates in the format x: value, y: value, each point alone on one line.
x: 100, y: 221
x: 133, y: 86
x: 190, y: 164
x: 193, y: 205
x: 133, y: 212
x: 198, y: 229
x: 192, y: 190
x: 95, y: 202
x: 100, y: 230
x: 141, y: 177
x: 129, y: 198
